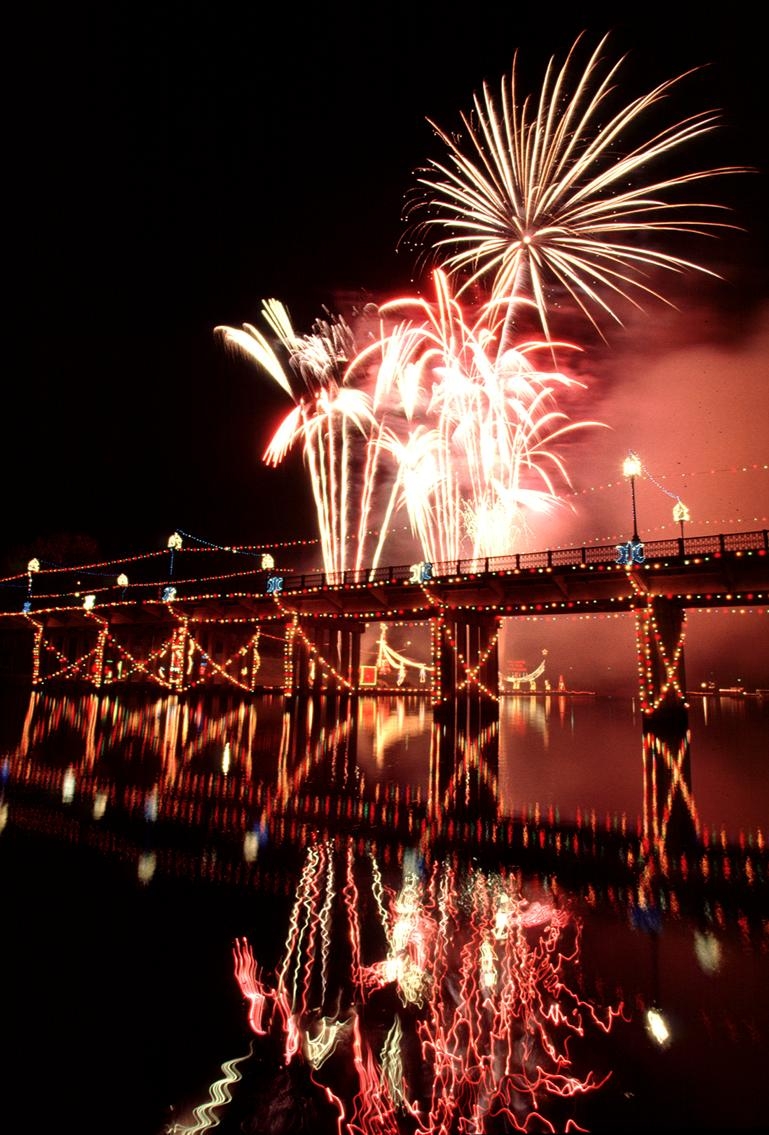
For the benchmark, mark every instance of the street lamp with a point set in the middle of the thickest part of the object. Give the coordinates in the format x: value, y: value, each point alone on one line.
x: 681, y: 515
x: 631, y: 467
x: 174, y: 545
x: 32, y: 567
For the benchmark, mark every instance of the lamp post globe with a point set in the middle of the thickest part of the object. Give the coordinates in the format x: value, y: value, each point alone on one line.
x: 680, y: 515
x: 631, y: 468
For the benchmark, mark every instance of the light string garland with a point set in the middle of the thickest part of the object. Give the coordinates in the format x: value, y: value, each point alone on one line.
x: 170, y: 656
x: 424, y: 608
x: 701, y: 546
x: 315, y: 656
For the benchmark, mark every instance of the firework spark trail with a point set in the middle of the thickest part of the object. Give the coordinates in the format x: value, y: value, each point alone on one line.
x: 491, y: 426
x: 323, y: 414
x: 451, y: 435
x: 535, y: 194
x: 453, y: 424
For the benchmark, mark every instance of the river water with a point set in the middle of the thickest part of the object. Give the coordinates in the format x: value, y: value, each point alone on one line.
x: 249, y: 915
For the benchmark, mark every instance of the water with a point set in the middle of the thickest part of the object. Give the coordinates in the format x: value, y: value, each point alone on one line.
x: 142, y: 838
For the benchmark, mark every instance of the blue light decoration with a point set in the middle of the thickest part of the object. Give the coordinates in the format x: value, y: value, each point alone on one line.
x: 169, y: 593
x: 421, y: 572
x: 27, y: 607
x: 274, y: 584
x: 631, y: 553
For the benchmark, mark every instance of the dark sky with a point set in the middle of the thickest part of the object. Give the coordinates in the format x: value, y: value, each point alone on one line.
x: 171, y: 165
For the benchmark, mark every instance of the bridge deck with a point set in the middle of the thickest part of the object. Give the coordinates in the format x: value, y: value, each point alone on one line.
x: 723, y: 570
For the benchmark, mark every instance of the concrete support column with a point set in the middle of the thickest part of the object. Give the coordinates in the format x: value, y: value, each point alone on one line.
x: 37, y: 647
x: 465, y: 659
x: 255, y: 661
x: 355, y: 634
x: 178, y: 657
x: 101, y: 642
x: 290, y: 659
x: 444, y: 662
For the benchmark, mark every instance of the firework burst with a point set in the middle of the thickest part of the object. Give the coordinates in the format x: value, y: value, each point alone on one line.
x: 326, y: 411
x: 432, y: 421
x: 487, y: 455
x: 449, y: 420
x: 544, y: 194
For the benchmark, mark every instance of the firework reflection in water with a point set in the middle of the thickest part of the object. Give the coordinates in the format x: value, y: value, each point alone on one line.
x: 467, y: 1020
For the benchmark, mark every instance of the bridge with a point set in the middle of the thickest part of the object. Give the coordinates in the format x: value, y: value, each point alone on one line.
x: 201, y: 621
x: 206, y: 616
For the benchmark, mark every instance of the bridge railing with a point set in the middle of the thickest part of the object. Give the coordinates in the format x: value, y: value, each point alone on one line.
x: 531, y: 561
x: 64, y: 587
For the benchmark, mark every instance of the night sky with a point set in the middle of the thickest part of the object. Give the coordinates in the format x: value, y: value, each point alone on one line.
x: 171, y: 165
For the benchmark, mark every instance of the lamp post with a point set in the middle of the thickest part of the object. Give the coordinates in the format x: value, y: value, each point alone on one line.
x: 631, y: 468
x: 681, y: 515
x: 174, y: 545
x: 32, y: 567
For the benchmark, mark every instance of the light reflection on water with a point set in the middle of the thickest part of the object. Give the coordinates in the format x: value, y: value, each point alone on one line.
x: 544, y: 807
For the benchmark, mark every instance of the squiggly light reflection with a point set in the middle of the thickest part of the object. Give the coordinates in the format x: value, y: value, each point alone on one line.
x: 485, y: 1009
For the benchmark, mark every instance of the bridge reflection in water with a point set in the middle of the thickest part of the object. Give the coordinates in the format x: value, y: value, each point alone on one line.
x: 230, y: 765
x: 431, y: 966
x: 209, y: 631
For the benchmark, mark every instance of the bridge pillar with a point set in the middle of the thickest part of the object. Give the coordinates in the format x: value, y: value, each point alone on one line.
x: 355, y: 638
x: 670, y: 819
x: 465, y: 658
x: 291, y: 658
x: 101, y: 642
x: 37, y: 645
